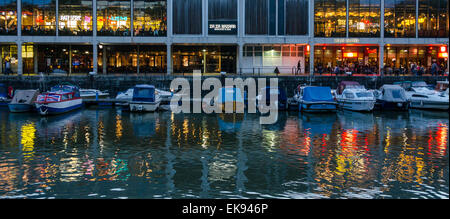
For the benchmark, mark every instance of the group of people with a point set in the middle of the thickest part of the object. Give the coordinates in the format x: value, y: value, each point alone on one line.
x: 79, y: 32
x: 38, y: 30
x: 352, y: 68
x: 7, y: 67
x: 150, y: 32
x: 415, y: 69
x: 8, y: 31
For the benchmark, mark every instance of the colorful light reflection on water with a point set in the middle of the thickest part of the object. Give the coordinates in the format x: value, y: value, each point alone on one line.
x: 106, y: 153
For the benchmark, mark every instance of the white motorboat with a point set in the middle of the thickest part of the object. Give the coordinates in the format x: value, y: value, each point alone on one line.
x: 93, y: 94
x: 126, y: 96
x: 350, y: 95
x: 391, y: 97
x: 165, y: 96
x: 422, y: 97
x: 60, y: 99
x: 145, y: 99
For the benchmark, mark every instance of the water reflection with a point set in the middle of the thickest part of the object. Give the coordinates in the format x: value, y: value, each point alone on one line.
x: 116, y: 154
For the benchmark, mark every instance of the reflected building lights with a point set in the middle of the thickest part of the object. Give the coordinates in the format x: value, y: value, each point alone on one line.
x: 28, y: 136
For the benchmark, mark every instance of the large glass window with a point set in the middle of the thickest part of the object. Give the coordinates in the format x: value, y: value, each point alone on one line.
x: 330, y: 18
x: 433, y: 18
x: 256, y: 17
x: 296, y: 17
x: 75, y: 17
x: 150, y: 18
x: 113, y: 17
x: 364, y: 18
x: 8, y: 17
x: 187, y: 16
x: 39, y: 17
x: 399, y: 18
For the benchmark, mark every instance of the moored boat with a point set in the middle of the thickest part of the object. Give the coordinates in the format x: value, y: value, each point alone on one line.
x: 5, y: 95
x: 165, y: 96
x: 391, y: 97
x: 60, y: 99
x: 422, y: 97
x: 350, y: 95
x: 230, y: 97
x: 93, y: 94
x: 145, y: 99
x: 23, y: 101
x: 315, y: 99
x: 126, y: 96
x: 281, y: 103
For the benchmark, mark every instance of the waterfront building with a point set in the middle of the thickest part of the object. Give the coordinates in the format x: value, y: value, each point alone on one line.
x: 211, y: 36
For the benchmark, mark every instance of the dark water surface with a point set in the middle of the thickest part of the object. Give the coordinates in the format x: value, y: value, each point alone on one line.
x: 106, y: 153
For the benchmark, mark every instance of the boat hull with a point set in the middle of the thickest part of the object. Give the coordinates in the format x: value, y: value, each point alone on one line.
x: 54, y: 108
x: 20, y: 108
x: 389, y: 105
x: 426, y: 104
x: 144, y: 106
x: 357, y: 105
x: 319, y: 107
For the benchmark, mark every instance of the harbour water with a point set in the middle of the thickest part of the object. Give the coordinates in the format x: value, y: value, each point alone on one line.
x: 106, y: 153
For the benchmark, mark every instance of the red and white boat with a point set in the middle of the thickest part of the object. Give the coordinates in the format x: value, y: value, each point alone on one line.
x: 60, y: 99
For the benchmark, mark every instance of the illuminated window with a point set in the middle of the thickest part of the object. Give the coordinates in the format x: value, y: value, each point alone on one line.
x: 364, y: 18
x: 113, y: 17
x: 399, y: 18
x: 8, y: 17
x: 433, y: 18
x: 38, y: 17
x: 330, y: 18
x: 150, y: 18
x: 75, y: 17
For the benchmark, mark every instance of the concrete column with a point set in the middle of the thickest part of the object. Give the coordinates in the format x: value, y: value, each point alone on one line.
x: 169, y: 18
x: 417, y: 18
x: 382, y: 20
x: 19, y: 19
x: 346, y: 19
x: 35, y: 59
x: 169, y: 59
x: 70, y: 59
x: 205, y: 17
x: 57, y: 21
x: 240, y: 57
x: 94, y: 22
x: 241, y: 19
x: 311, y: 59
x: 19, y: 58
x: 132, y: 21
x: 381, y: 58
x: 105, y: 64
x: 95, y: 57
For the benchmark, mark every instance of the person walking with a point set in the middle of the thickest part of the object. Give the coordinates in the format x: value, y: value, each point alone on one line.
x: 298, y: 67
x: 434, y: 69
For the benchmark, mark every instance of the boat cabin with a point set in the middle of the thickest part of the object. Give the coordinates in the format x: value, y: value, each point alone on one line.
x: 144, y: 93
x: 347, y: 84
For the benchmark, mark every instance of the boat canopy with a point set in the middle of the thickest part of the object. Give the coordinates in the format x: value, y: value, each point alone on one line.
x: 393, y: 93
x: 315, y: 94
x: 144, y: 92
x: 275, y: 90
x: 230, y: 94
x: 25, y: 96
x: 345, y: 84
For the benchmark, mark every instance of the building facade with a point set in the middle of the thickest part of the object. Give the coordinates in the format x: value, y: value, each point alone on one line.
x: 213, y: 36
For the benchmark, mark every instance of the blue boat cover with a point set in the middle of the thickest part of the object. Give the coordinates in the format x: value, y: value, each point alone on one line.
x: 316, y: 94
x: 144, y: 93
x: 230, y: 94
